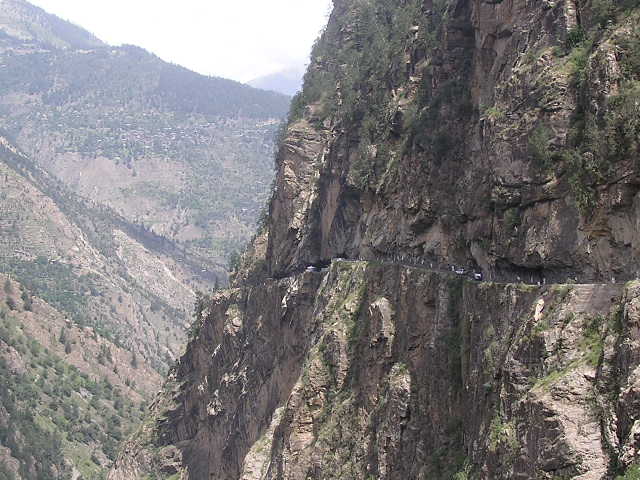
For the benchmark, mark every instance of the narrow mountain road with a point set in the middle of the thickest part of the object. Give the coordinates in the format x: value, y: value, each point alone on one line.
x: 583, y: 290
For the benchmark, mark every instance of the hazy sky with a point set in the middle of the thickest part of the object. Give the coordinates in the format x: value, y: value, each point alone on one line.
x: 238, y: 39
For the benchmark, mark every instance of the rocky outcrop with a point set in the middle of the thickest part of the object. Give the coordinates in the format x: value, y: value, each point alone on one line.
x: 497, y: 135
x: 471, y: 148
x: 390, y: 372
x: 265, y: 369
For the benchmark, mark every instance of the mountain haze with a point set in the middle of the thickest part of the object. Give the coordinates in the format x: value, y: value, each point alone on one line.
x: 288, y: 81
x: 149, y: 139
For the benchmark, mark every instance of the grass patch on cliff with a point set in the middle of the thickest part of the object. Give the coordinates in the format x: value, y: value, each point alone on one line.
x: 464, y: 473
x: 325, y: 355
x: 590, y: 346
x: 541, y: 326
x: 449, y: 462
x: 490, y: 353
x: 346, y: 307
x: 632, y: 473
x: 356, y: 327
x: 538, y: 146
x: 512, y: 219
x: 502, y: 433
x: 562, y: 291
x: 494, y: 113
x: 592, y: 342
x: 553, y: 376
x: 577, y: 60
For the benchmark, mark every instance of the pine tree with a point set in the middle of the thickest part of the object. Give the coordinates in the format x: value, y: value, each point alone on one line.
x: 11, y: 303
x: 27, y: 301
x: 134, y: 360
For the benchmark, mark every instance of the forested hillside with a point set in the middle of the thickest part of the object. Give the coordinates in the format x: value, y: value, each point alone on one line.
x: 185, y: 155
x: 131, y: 286
x: 68, y: 396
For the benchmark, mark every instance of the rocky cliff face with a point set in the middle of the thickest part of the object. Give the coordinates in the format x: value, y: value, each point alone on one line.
x: 489, y: 134
x: 383, y: 371
x: 501, y: 136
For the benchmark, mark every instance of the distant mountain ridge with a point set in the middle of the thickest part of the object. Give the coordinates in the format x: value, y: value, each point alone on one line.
x: 287, y: 82
x: 22, y: 20
x: 25, y: 28
x: 186, y: 155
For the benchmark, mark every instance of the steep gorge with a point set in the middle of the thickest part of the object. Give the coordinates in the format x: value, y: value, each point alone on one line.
x: 501, y: 136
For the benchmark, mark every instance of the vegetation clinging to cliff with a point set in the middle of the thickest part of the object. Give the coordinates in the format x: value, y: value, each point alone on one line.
x: 608, y: 134
x: 357, y: 63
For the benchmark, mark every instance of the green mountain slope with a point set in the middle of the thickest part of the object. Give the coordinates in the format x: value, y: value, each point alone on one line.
x: 67, y: 395
x: 20, y: 19
x: 132, y: 286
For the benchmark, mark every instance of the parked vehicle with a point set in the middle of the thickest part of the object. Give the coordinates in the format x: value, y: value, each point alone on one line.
x: 312, y: 268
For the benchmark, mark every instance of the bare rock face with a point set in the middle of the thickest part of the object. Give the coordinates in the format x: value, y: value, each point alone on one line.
x: 379, y: 371
x: 501, y: 136
x: 474, y: 153
x: 265, y: 369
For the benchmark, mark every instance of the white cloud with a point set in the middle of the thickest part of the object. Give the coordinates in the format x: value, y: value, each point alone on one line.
x: 240, y: 39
